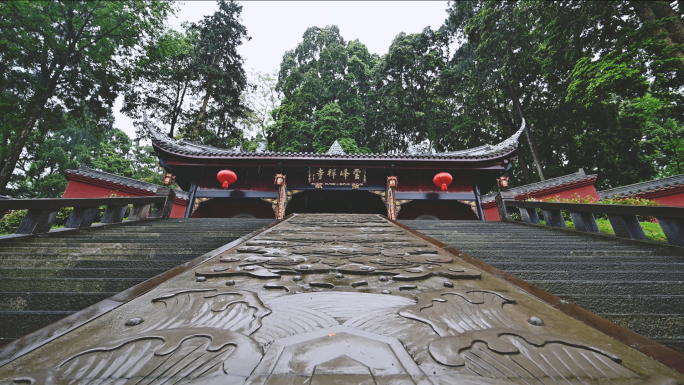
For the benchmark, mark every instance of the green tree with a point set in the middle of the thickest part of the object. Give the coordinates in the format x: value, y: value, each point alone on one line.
x: 62, y: 56
x: 327, y: 90
x: 410, y: 109
x: 80, y: 139
x: 162, y: 81
x: 261, y: 100
x: 222, y: 78
x: 577, y: 72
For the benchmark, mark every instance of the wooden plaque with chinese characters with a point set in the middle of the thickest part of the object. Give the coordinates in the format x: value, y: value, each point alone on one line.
x: 337, y: 176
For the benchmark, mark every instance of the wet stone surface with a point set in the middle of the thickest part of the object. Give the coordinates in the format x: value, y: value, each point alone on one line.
x: 334, y: 299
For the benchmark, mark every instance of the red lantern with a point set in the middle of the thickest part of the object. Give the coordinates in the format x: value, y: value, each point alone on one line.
x: 443, y: 179
x: 226, y: 177
x: 503, y: 181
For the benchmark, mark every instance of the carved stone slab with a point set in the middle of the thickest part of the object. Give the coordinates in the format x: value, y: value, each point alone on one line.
x: 335, y: 299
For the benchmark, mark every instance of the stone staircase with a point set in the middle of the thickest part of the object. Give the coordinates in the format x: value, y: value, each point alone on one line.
x: 43, y: 279
x: 640, y: 287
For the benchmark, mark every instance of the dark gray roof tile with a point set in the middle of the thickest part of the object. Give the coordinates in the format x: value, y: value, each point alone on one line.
x: 192, y: 149
x: 643, y: 187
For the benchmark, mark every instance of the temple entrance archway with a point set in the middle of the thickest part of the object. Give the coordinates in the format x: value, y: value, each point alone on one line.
x: 335, y: 202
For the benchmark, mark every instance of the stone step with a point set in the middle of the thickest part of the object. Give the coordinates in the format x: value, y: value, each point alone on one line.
x: 544, y: 265
x: 68, y: 284
x: 122, y: 238
x: 93, y: 263
x: 156, y: 254
x: 79, y: 273
x: 629, y: 304
x: 563, y: 288
x: 654, y: 326
x: 580, y: 276
x: 674, y: 344
x: 128, y: 249
x: 19, y: 323
x: 584, y: 259
x: 50, y: 301
x: 497, y: 252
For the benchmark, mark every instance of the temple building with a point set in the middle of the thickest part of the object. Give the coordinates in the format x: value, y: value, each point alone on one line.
x: 275, y: 184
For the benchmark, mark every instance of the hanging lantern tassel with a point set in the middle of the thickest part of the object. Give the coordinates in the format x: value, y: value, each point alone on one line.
x: 443, y: 179
x: 226, y: 177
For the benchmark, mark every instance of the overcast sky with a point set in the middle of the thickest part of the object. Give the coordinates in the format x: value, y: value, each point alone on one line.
x: 278, y: 26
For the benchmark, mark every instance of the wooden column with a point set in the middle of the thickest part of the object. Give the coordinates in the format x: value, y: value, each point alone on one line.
x: 478, y: 202
x: 282, y: 196
x: 390, y: 197
x: 191, y: 201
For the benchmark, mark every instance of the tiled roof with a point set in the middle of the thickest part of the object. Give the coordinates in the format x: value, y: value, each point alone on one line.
x: 643, y: 187
x: 544, y: 185
x: 182, y: 147
x: 122, y: 180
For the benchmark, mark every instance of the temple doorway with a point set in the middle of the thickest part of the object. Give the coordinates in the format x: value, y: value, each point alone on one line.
x: 335, y: 202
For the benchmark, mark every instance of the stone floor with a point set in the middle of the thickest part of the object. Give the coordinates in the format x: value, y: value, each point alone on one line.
x: 336, y: 299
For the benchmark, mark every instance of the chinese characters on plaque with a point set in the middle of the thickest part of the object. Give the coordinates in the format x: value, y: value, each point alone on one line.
x: 337, y: 176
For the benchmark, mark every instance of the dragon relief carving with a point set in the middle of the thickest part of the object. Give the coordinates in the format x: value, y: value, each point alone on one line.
x: 211, y: 334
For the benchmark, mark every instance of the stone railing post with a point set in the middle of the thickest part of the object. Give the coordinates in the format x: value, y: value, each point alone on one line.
x: 673, y: 229
x: 163, y: 211
x: 37, y: 221
x: 81, y: 217
x: 501, y: 198
x: 114, y: 213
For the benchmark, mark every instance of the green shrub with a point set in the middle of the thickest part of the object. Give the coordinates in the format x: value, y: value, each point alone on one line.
x: 10, y: 223
x: 576, y: 198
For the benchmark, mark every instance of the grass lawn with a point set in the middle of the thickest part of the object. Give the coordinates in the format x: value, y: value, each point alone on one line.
x: 652, y: 230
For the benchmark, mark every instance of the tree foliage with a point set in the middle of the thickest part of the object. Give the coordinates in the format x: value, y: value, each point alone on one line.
x: 61, y: 57
x: 191, y: 83
x: 599, y: 85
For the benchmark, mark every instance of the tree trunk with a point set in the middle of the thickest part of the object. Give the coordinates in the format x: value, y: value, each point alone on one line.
x: 178, y: 107
x: 11, y: 162
x: 530, y: 140
x: 524, y: 167
x: 203, y: 110
x: 650, y: 12
x: 674, y: 26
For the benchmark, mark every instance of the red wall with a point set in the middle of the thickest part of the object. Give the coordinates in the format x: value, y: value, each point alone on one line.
x: 491, y: 213
x: 676, y: 199
x: 77, y: 189
x: 582, y: 191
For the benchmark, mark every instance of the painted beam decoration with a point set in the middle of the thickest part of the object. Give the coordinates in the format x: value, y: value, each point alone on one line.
x: 335, y: 299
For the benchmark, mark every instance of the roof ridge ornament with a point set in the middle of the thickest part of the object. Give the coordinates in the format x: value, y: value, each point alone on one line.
x: 336, y: 149
x: 513, y: 140
x: 261, y: 147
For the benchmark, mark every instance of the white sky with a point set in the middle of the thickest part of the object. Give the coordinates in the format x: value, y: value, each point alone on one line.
x: 278, y: 26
